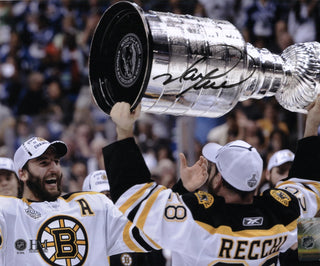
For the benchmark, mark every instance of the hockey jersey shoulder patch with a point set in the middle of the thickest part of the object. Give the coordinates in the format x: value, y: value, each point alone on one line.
x: 281, y: 196
x: 204, y: 198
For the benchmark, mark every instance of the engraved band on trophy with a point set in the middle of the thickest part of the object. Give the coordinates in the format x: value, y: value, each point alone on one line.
x: 194, y: 66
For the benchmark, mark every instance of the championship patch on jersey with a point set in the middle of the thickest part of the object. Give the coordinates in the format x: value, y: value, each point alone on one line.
x: 204, y: 198
x: 32, y: 213
x: 281, y: 196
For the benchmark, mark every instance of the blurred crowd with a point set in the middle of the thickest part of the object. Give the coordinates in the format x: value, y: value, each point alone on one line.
x: 44, y: 85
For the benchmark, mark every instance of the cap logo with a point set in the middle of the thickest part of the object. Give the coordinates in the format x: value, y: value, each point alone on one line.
x: 39, y: 142
x: 252, y: 181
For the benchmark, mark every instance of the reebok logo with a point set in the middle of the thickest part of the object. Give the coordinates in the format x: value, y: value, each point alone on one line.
x: 252, y: 221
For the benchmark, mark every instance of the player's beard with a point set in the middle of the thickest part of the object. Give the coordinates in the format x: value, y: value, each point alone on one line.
x: 36, y: 184
x: 210, y: 185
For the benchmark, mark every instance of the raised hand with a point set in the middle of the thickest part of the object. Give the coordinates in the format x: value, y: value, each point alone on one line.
x: 313, y: 118
x: 195, y: 176
x: 124, y: 119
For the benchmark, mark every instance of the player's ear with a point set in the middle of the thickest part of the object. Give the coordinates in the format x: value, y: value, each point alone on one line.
x: 23, y: 175
x: 217, y: 181
x: 268, y: 175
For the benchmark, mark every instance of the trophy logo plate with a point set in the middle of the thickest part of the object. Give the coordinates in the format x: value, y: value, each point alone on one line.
x: 128, y: 60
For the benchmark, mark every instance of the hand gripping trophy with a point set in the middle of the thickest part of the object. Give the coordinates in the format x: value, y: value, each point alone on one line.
x: 186, y: 65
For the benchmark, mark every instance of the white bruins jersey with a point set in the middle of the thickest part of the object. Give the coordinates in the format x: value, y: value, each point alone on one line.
x: 76, y: 229
x: 200, y: 228
x: 307, y: 192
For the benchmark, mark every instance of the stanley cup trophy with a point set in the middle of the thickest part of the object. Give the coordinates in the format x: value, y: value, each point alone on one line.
x: 193, y: 66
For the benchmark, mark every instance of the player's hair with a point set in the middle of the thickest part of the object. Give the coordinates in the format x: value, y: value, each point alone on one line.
x: 21, y: 184
x: 284, y: 167
x: 20, y: 188
x: 25, y: 167
x: 243, y: 194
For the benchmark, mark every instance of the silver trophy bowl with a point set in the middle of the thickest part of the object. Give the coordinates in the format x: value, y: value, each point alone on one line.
x: 193, y: 66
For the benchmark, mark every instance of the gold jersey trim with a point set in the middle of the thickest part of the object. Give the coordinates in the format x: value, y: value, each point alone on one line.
x: 144, y: 214
x: 127, y: 238
x: 280, y: 196
x: 124, y: 207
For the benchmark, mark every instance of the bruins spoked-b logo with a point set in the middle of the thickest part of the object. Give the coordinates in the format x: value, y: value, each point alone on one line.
x: 126, y: 259
x: 63, y: 241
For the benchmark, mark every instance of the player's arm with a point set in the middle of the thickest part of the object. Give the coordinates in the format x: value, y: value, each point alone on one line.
x: 124, y: 152
x: 156, y: 210
x: 125, y: 166
x: 307, y: 156
x: 122, y: 235
x: 136, y: 172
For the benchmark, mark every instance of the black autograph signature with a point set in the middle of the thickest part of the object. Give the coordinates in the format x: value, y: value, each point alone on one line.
x: 207, y: 81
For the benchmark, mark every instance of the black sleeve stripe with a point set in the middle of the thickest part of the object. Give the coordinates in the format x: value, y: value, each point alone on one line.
x: 179, y: 188
x: 133, y: 213
x: 140, y: 240
x: 68, y: 195
x: 308, y: 187
x: 72, y: 195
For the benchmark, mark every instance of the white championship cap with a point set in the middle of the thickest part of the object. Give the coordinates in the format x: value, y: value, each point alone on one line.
x: 210, y: 150
x: 238, y: 162
x: 279, y: 158
x: 6, y: 164
x: 33, y: 148
x: 96, y: 181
